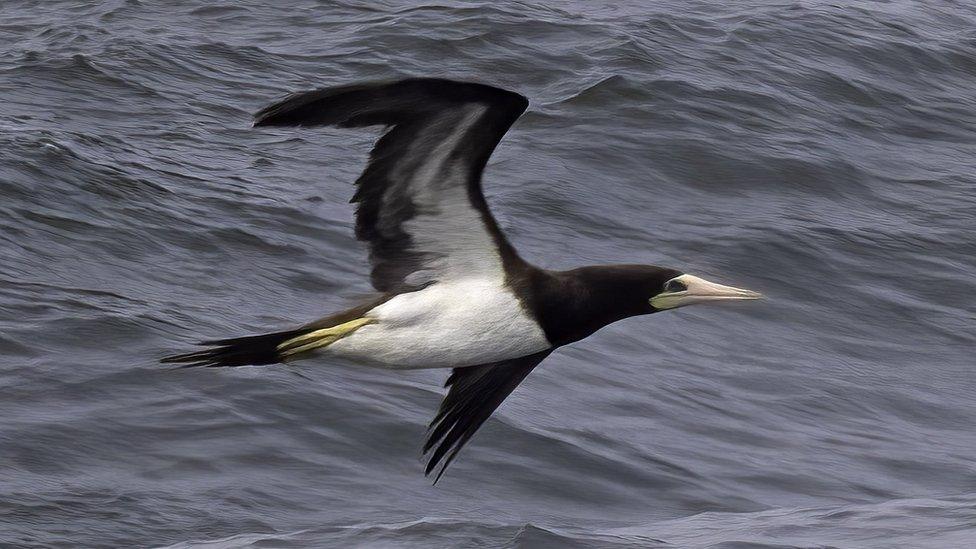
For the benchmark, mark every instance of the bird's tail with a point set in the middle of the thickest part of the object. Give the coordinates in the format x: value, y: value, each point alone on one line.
x: 267, y: 348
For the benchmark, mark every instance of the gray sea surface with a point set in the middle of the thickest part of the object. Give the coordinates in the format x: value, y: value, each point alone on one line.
x: 823, y: 153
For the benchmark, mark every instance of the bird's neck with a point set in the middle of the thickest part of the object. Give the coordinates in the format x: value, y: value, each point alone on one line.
x: 571, y: 305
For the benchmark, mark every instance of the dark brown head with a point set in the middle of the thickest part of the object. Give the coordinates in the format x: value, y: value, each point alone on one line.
x: 571, y: 305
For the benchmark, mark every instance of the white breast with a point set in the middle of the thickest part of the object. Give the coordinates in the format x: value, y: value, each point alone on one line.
x: 461, y: 323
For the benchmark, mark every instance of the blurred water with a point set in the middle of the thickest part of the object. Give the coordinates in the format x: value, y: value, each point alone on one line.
x: 822, y: 153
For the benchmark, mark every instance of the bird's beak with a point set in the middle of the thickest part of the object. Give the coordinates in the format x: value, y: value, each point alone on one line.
x: 698, y: 290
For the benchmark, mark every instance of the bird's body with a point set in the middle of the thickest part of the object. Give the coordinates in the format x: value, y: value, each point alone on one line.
x: 445, y: 325
x: 452, y: 291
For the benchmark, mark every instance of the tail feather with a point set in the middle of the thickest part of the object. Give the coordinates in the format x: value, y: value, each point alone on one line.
x: 239, y: 351
x: 267, y: 348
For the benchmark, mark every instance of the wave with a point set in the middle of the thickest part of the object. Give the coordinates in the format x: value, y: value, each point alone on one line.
x: 921, y: 523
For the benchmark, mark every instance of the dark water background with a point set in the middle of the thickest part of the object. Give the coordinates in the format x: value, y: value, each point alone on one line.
x: 823, y: 153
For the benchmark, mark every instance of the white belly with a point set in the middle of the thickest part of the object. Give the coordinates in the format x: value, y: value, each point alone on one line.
x: 445, y: 325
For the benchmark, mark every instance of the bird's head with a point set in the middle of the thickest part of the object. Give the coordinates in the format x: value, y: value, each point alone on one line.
x: 676, y: 289
x: 581, y: 301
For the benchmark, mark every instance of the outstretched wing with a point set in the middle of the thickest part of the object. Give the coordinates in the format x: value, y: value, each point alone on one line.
x: 421, y: 208
x: 475, y: 392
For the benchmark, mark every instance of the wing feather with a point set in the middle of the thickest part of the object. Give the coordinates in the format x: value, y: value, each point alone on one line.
x: 420, y: 204
x: 475, y: 392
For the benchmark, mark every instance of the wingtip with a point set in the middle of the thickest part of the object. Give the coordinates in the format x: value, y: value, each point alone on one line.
x: 437, y: 477
x: 438, y: 471
x: 265, y: 116
x: 260, y: 119
x: 440, y: 461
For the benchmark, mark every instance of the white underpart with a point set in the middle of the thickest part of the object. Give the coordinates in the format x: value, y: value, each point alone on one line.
x: 460, y: 323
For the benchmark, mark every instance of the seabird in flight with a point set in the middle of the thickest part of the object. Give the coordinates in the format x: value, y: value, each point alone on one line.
x: 452, y: 292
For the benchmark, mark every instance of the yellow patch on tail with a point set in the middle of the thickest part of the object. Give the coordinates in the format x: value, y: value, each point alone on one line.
x: 320, y: 338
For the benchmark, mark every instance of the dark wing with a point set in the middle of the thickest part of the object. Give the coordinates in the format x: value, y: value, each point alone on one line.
x: 475, y: 392
x: 421, y: 208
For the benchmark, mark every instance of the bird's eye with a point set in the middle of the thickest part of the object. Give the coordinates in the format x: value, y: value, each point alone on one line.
x: 675, y: 286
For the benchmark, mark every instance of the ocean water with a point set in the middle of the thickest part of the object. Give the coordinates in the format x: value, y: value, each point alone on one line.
x: 823, y: 153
